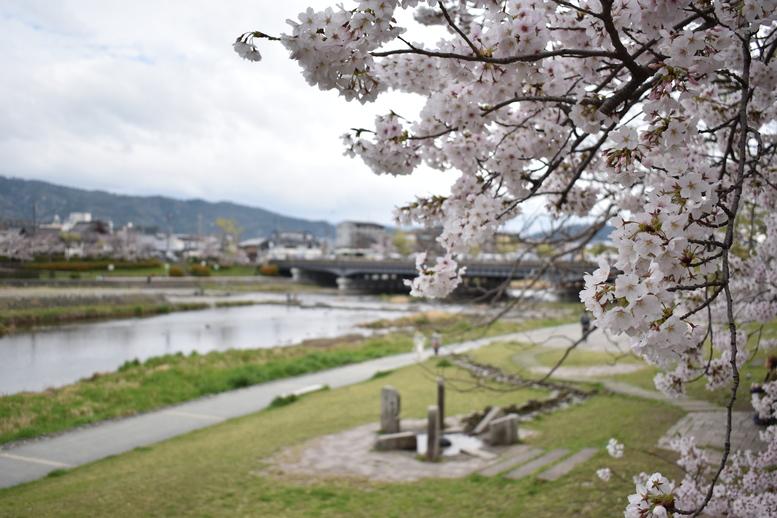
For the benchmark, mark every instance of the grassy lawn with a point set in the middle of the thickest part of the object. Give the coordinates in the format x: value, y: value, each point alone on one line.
x: 580, y: 358
x: 211, y: 472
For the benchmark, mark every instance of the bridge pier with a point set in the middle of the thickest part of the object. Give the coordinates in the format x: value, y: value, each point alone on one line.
x: 372, y: 283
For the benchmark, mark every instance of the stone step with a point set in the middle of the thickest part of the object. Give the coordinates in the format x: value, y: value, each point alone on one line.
x: 531, y: 467
x: 565, y: 466
x: 520, y: 455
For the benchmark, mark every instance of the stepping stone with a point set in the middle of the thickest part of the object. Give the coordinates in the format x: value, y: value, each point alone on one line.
x: 565, y: 466
x: 475, y: 452
x: 524, y: 454
x: 531, y: 467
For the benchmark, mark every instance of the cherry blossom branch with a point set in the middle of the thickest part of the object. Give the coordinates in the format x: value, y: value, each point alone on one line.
x: 539, y: 56
x: 456, y: 28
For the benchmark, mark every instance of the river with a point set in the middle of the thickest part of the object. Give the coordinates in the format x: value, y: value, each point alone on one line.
x: 60, y: 355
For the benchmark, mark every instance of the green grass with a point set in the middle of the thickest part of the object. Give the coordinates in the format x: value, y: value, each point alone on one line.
x: 234, y: 303
x: 14, y: 318
x: 580, y: 358
x: 138, y: 387
x: 212, y: 472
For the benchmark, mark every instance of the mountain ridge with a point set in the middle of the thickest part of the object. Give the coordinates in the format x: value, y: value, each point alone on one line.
x: 17, y: 197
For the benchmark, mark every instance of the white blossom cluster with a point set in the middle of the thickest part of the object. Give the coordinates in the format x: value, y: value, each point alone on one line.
x: 658, y: 116
x: 654, y: 498
x: 614, y: 448
x: 441, y: 278
x: 745, y: 487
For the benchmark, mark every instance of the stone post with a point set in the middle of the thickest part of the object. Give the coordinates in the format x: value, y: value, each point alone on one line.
x: 389, y: 409
x: 441, y: 401
x: 433, y: 434
x: 503, y: 431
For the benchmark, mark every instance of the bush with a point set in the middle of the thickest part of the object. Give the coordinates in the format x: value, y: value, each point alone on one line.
x: 269, y: 270
x: 281, y: 401
x: 176, y: 271
x: 93, y: 265
x: 75, y: 275
x: 200, y: 271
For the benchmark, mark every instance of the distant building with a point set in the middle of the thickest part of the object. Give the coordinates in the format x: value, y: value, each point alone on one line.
x: 425, y: 240
x: 161, y: 245
x: 357, y: 235
x: 91, y: 231
x: 291, y: 244
x: 255, y: 249
x: 76, y: 218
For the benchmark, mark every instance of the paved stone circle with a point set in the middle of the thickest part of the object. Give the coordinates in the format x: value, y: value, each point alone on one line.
x: 350, y: 454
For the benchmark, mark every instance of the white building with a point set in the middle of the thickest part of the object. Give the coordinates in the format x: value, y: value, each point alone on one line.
x: 358, y: 235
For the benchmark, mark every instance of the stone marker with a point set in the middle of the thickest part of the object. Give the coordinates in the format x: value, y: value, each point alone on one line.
x: 492, y: 414
x: 389, y: 409
x: 397, y: 441
x: 433, y: 434
x: 503, y: 431
x: 441, y: 400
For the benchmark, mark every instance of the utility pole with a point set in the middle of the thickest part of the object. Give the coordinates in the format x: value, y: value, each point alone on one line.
x: 34, y: 217
x: 169, y: 229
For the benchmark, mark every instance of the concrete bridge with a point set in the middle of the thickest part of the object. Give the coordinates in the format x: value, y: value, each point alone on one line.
x: 387, y: 276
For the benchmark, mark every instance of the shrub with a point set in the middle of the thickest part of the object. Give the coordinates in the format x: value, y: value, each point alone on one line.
x: 200, y: 271
x: 281, y: 401
x: 269, y: 270
x: 176, y: 271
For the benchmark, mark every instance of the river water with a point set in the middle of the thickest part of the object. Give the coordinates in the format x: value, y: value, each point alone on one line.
x: 59, y: 355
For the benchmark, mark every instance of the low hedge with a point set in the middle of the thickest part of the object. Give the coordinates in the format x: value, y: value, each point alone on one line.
x: 88, y: 266
x: 200, y: 271
x: 270, y: 270
x: 176, y: 271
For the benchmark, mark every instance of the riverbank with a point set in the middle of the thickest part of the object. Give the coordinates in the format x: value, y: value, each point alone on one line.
x: 141, y: 386
x: 22, y: 308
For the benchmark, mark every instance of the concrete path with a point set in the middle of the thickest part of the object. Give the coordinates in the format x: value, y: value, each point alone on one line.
x: 32, y: 460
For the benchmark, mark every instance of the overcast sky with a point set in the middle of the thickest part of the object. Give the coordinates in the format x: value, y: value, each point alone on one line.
x: 147, y: 97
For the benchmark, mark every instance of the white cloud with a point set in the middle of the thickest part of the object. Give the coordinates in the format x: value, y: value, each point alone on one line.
x: 148, y: 97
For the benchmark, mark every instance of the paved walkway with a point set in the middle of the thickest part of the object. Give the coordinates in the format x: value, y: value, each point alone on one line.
x: 29, y: 461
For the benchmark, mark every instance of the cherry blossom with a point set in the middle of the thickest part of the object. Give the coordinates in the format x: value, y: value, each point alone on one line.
x: 614, y: 448
x: 656, y: 117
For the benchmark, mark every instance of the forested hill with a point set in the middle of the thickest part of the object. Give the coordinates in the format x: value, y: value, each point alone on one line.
x: 18, y: 196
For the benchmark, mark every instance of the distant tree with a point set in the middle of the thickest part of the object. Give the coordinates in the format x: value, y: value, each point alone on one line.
x: 231, y: 234
x: 401, y: 242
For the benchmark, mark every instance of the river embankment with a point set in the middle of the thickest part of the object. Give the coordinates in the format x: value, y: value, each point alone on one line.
x: 25, y: 304
x: 141, y: 385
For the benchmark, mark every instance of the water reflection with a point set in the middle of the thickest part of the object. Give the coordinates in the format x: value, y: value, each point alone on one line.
x: 56, y: 356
